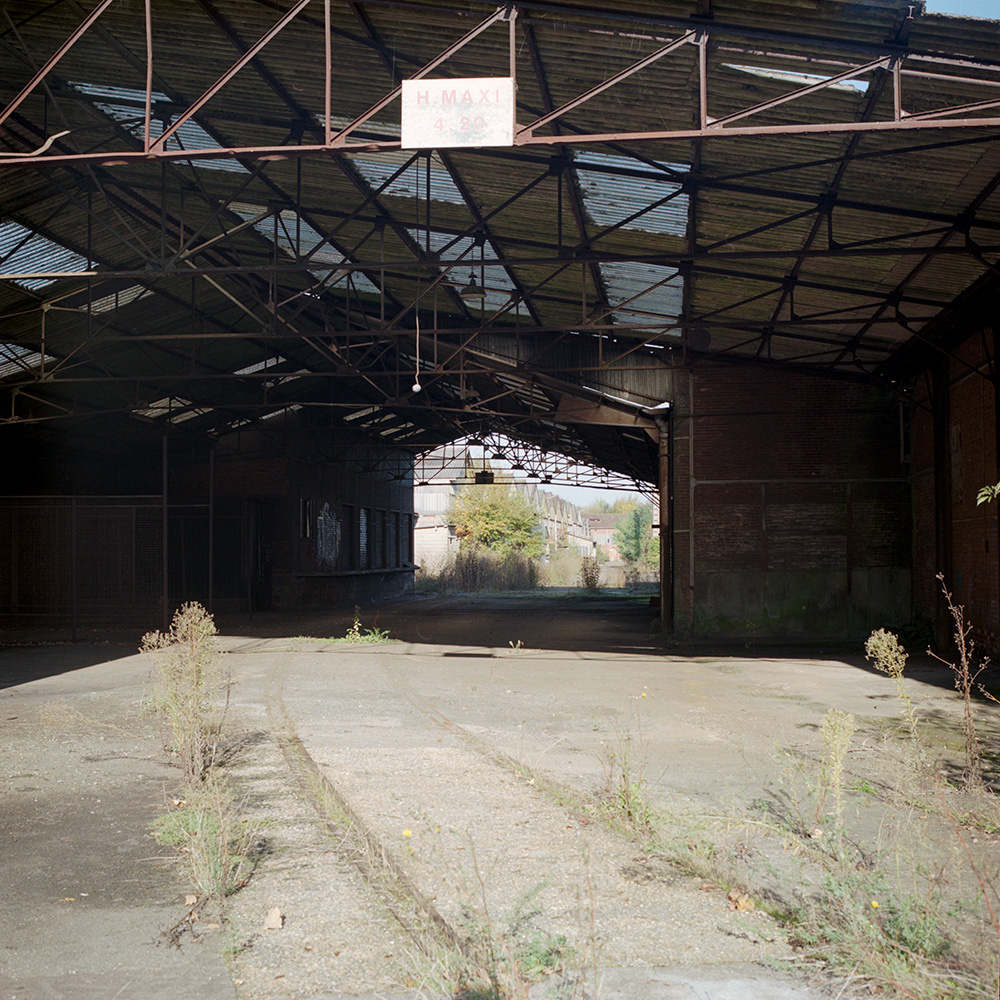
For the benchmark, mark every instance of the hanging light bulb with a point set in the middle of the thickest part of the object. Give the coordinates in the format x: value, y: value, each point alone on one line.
x: 416, y: 371
x: 473, y: 290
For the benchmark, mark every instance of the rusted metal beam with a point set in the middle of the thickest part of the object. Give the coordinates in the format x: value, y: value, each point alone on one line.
x: 801, y: 92
x: 624, y: 74
x: 498, y: 15
x: 53, y: 60
x: 248, y: 153
x: 575, y: 201
x: 247, y: 56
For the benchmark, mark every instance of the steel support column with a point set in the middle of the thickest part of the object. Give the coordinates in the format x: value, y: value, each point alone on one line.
x: 941, y: 417
x: 666, y: 518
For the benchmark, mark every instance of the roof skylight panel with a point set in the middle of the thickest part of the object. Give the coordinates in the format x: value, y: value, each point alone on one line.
x: 298, y: 239
x: 285, y: 409
x: 801, y: 79
x: 612, y: 197
x: 23, y: 251
x: 127, y: 106
x: 173, y: 408
x: 16, y: 359
x: 261, y: 365
x: 377, y: 168
x: 108, y: 303
x: 646, y: 293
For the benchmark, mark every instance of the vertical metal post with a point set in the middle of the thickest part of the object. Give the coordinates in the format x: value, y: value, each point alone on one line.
x: 327, y: 85
x: 149, y: 75
x: 666, y: 518
x: 512, y: 46
x: 73, y: 563
x: 211, y: 528
x: 897, y: 94
x: 166, y: 565
x: 702, y: 79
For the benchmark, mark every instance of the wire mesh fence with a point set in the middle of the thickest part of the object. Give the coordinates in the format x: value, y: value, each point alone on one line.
x: 65, y: 560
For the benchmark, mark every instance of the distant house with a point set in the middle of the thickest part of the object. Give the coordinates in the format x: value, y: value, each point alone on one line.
x: 434, y: 538
x: 602, y: 530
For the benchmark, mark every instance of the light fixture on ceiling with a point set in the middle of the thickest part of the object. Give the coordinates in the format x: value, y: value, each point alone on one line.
x: 476, y: 442
x: 498, y: 456
x: 416, y: 341
x: 473, y: 291
x: 517, y: 467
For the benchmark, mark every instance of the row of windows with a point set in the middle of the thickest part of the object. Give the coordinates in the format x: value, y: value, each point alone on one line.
x: 347, y: 537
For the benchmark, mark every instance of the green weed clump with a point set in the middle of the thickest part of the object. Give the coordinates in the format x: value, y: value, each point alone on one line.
x: 625, y: 796
x: 358, y: 633
x: 219, y: 851
x: 190, y: 692
x: 510, y: 953
x: 885, y: 653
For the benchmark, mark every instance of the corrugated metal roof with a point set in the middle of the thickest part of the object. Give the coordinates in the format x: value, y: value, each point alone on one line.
x: 298, y: 239
x: 377, y: 168
x: 17, y: 360
x: 611, y: 197
x: 127, y: 106
x: 806, y: 247
x: 23, y: 251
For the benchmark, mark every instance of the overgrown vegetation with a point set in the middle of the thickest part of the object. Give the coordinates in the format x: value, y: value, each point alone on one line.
x: 219, y: 850
x: 477, y: 570
x: 872, y: 873
x: 966, y: 673
x: 357, y: 633
x: 885, y: 652
x: 505, y: 955
x: 590, y: 573
x: 191, y: 695
x: 499, y: 518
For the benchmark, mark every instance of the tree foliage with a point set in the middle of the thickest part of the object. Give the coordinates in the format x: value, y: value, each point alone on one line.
x: 634, y: 537
x: 628, y: 503
x: 988, y: 494
x: 500, y: 518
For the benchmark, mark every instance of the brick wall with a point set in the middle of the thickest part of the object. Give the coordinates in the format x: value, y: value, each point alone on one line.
x: 314, y: 527
x: 791, y: 505
x: 959, y: 540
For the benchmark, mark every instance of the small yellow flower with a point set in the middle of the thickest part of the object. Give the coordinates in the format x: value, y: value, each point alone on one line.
x: 407, y: 833
x: 874, y: 904
x: 643, y: 694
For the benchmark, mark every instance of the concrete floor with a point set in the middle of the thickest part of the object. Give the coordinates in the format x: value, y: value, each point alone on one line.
x: 86, y: 894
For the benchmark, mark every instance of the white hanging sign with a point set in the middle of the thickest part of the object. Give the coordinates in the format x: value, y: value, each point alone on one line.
x: 444, y: 114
